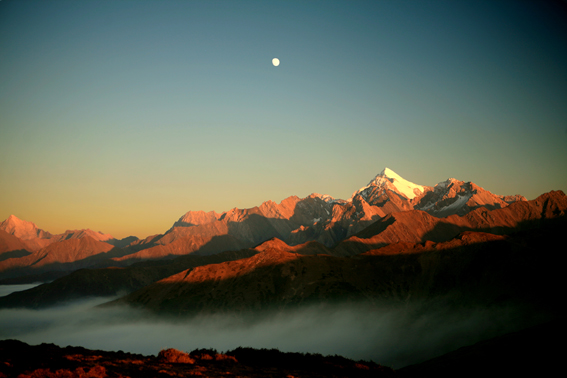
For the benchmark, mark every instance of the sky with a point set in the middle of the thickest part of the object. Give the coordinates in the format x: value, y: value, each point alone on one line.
x: 121, y: 116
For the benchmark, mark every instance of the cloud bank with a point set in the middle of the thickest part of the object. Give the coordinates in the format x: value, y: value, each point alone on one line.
x: 390, y: 335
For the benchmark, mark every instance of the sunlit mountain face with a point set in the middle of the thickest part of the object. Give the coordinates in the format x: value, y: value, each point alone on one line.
x: 377, y: 180
x: 294, y: 221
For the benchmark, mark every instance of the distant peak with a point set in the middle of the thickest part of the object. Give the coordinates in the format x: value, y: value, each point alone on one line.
x: 387, y: 172
x: 273, y: 243
x: 12, y: 219
x: 325, y: 197
x: 444, y: 184
x: 22, y: 229
x: 389, y: 179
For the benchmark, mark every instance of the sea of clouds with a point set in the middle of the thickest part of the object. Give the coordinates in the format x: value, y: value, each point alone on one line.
x: 394, y: 336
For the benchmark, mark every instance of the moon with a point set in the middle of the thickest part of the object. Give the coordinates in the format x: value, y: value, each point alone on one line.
x: 276, y: 62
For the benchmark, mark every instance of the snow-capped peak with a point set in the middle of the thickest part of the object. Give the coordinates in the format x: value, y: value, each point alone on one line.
x: 387, y: 172
x: 391, y: 180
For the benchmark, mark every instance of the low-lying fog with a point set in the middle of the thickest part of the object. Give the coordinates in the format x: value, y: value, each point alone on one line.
x: 390, y: 336
x: 9, y: 289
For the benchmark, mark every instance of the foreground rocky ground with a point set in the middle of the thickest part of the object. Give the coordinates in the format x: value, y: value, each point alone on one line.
x: 535, y: 351
x: 21, y: 360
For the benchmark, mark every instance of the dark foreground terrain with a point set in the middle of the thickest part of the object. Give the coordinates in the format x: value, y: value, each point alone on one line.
x: 532, y: 352
x: 21, y: 360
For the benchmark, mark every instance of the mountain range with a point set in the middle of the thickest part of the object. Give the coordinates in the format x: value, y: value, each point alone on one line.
x: 294, y: 220
x: 301, y: 250
x: 454, y: 249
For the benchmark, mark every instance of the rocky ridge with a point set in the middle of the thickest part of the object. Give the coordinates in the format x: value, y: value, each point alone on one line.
x: 386, y: 260
x: 294, y: 220
x: 317, y: 217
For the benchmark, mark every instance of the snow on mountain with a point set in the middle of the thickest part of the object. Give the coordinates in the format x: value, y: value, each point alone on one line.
x: 388, y: 179
x: 326, y: 219
x: 317, y: 217
x: 453, y: 196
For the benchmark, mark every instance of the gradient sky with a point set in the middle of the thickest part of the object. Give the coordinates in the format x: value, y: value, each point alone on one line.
x: 120, y: 116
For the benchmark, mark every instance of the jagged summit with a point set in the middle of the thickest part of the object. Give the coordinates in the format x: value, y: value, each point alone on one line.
x: 446, y: 183
x: 309, y: 225
x: 12, y: 219
x: 325, y: 197
x: 78, y: 234
x: 388, y: 179
x: 192, y: 218
x: 22, y: 229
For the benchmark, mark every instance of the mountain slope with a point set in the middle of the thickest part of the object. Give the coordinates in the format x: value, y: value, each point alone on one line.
x: 418, y: 226
x: 106, y: 282
x: 458, y: 197
x: 33, y: 237
x: 407, y: 254
x: 78, y: 234
x: 11, y: 246
x: 316, y: 217
x: 28, y: 250
x: 68, y: 254
x: 474, y: 267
